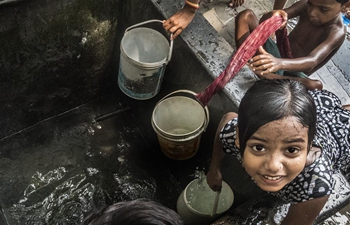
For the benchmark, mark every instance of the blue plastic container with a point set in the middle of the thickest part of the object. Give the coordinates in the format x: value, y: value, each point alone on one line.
x: 346, y: 21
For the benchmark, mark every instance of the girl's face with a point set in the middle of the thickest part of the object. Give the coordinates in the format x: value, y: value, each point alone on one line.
x: 322, y: 11
x: 276, y: 153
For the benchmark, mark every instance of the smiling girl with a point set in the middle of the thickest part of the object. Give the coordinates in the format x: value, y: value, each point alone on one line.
x: 290, y: 141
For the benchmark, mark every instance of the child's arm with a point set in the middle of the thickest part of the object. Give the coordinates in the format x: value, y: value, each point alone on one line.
x: 308, y: 64
x: 305, y: 212
x: 309, y: 84
x: 214, y: 177
x: 317, y: 57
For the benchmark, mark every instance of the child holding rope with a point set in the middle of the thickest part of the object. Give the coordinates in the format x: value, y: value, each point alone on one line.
x: 317, y: 36
x: 290, y: 141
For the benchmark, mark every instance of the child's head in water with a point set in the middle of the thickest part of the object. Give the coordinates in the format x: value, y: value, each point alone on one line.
x: 136, y: 212
x: 276, y: 125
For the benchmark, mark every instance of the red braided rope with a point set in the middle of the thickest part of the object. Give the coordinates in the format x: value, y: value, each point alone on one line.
x: 283, y: 43
x: 246, y: 51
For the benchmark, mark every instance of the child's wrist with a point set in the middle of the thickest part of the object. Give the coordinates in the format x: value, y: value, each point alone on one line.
x: 192, y: 5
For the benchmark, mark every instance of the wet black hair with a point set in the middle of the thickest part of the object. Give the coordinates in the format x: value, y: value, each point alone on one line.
x: 342, y: 2
x: 270, y: 100
x: 136, y: 212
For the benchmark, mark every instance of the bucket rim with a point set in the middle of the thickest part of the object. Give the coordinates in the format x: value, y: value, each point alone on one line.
x: 146, y: 64
x: 180, y: 137
x: 201, y: 213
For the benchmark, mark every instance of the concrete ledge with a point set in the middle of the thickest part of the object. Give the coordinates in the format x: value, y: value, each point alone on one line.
x: 211, y: 49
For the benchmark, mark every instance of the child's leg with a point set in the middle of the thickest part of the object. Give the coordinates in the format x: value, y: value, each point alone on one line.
x: 312, y: 84
x: 246, y: 22
x: 346, y: 107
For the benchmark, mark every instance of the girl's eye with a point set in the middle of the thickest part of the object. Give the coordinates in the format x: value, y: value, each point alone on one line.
x: 258, y: 148
x: 324, y: 10
x: 292, y: 150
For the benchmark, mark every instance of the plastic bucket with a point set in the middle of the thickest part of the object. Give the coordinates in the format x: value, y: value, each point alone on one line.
x: 179, y: 122
x: 196, y: 202
x: 144, y: 55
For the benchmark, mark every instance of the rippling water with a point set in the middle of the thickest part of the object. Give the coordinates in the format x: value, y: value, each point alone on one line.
x: 60, y: 170
x: 65, y: 204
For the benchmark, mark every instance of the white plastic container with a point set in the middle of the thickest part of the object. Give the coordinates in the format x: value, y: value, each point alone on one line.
x: 195, y: 204
x: 144, y: 54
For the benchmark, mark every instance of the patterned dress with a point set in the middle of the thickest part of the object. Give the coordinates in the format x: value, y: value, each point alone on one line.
x: 332, y: 136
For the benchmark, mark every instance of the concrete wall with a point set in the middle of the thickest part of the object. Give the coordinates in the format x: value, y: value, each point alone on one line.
x: 54, y: 55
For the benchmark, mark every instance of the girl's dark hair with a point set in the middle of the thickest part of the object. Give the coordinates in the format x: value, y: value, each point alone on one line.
x: 342, y: 2
x: 136, y: 212
x: 270, y: 100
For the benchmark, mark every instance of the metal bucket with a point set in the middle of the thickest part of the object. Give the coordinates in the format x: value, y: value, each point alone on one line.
x: 144, y: 55
x: 179, y: 122
x: 196, y: 202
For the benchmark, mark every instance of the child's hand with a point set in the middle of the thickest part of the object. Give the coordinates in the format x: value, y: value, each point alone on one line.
x: 214, y: 179
x: 283, y: 14
x: 235, y: 3
x: 179, y: 21
x: 264, y: 63
x: 261, y: 73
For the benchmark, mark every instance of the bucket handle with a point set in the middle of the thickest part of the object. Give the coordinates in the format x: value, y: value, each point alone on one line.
x: 193, y: 95
x: 151, y: 21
